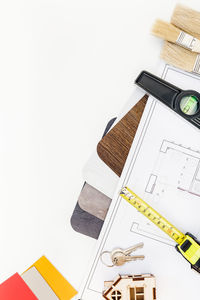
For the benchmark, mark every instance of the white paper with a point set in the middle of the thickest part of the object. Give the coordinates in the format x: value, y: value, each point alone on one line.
x: 163, y: 169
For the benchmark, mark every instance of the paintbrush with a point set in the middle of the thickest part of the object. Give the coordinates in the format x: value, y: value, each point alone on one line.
x: 187, y: 19
x: 173, y: 34
x: 181, y: 58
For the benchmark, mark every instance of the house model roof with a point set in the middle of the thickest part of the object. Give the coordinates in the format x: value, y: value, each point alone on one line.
x: 130, y: 287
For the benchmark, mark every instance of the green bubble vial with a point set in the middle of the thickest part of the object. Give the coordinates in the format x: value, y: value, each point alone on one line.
x: 189, y: 105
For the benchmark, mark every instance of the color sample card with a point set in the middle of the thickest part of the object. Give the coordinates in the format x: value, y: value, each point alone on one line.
x: 15, y: 288
x: 61, y: 287
x: 97, y: 208
x: 38, y: 285
x: 96, y: 172
x: 85, y: 223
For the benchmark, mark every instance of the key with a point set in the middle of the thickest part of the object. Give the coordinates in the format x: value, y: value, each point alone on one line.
x: 129, y: 250
x: 120, y: 256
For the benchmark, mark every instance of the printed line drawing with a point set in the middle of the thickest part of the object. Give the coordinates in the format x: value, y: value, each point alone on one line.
x: 177, y: 166
x: 149, y: 230
x: 151, y: 184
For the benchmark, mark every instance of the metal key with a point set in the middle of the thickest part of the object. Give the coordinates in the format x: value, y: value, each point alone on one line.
x: 120, y: 256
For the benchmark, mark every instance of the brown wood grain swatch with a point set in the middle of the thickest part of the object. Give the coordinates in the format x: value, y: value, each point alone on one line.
x: 113, y: 148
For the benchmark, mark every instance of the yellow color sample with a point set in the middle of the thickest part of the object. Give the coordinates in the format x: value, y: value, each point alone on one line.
x: 61, y: 287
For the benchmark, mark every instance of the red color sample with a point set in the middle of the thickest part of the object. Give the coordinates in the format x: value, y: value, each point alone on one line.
x: 15, y: 288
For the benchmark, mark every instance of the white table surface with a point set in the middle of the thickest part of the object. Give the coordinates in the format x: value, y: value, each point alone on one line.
x: 66, y: 68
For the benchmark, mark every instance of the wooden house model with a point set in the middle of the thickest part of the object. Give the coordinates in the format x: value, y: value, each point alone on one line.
x: 127, y: 287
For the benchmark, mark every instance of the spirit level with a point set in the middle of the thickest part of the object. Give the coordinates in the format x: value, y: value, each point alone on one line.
x: 187, y: 244
x: 185, y: 103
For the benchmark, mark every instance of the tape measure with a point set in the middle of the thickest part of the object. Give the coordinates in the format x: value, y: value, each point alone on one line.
x: 187, y: 244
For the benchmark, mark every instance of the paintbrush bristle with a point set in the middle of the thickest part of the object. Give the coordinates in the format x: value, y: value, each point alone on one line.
x: 165, y: 31
x: 178, y: 56
x: 186, y: 18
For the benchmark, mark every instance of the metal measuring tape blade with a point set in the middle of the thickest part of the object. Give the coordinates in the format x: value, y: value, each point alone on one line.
x: 187, y: 244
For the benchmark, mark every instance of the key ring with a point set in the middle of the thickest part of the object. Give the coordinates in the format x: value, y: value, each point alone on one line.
x: 101, y: 258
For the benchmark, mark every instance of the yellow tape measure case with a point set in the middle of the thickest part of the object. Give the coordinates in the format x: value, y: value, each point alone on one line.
x: 190, y: 250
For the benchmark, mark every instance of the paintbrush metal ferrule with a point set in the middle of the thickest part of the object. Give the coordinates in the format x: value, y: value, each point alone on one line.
x: 186, y: 19
x: 196, y: 68
x: 175, y: 35
x: 188, y: 41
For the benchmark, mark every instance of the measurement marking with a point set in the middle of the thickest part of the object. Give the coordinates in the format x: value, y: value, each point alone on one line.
x: 153, y: 215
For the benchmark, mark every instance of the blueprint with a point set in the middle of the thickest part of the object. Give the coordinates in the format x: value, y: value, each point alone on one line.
x: 182, y: 171
x: 163, y: 168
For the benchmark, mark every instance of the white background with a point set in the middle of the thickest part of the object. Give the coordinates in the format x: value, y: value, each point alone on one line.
x: 66, y: 68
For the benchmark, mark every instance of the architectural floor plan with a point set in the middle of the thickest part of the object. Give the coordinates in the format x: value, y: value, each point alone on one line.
x: 177, y: 168
x: 163, y: 168
x: 182, y: 171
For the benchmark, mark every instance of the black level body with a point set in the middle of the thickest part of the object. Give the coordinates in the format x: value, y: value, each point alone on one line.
x: 184, y: 102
